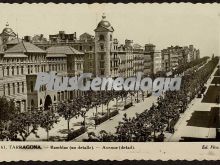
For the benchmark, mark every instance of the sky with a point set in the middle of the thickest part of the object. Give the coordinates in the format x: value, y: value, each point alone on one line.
x: 161, y: 24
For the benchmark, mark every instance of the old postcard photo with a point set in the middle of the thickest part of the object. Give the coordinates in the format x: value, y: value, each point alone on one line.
x: 109, y: 81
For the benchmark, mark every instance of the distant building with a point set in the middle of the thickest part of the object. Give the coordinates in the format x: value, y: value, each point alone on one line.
x: 176, y: 55
x: 138, y: 52
x: 62, y: 37
x: 148, y: 58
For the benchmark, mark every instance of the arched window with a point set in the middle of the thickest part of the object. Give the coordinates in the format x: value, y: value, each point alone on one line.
x: 101, y: 37
x: 54, y: 98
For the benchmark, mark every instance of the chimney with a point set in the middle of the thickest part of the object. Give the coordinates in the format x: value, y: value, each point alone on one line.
x: 27, y: 38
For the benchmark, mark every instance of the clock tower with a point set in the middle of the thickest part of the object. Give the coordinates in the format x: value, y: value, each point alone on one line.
x: 103, y: 44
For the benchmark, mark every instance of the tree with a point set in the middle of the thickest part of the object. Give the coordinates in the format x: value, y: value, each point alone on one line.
x: 123, y: 95
x: 108, y: 97
x: 86, y: 103
x: 48, y: 119
x: 7, y: 111
x: 116, y: 96
x: 24, y: 124
x: 68, y: 110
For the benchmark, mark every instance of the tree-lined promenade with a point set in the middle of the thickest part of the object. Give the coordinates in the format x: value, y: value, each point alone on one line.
x: 19, y: 126
x: 163, y: 116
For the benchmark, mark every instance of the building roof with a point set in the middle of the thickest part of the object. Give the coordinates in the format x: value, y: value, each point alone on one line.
x: 25, y: 47
x: 14, y: 41
x: 86, y: 34
x: 19, y: 55
x: 58, y: 51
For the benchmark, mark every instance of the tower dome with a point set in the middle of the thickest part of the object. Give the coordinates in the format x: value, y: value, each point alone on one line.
x: 104, y: 24
x: 8, y: 30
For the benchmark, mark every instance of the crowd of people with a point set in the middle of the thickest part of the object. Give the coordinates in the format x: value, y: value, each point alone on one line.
x: 162, y: 116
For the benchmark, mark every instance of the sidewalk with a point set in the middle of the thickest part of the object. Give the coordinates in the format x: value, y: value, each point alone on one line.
x: 181, y: 127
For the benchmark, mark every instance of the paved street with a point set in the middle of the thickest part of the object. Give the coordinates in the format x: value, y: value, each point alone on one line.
x: 109, y: 126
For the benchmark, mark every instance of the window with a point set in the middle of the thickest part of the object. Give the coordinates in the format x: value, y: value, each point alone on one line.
x: 102, y: 64
x: 13, y: 88
x: 101, y: 46
x: 4, y: 89
x: 90, y: 48
x: 90, y: 56
x: 17, y: 70
x: 28, y: 69
x: 8, y: 70
x: 102, y: 56
x: 80, y: 47
x: 58, y: 96
x: 110, y: 37
x: 101, y: 37
x: 8, y: 89
x: 22, y: 84
x: 22, y: 70
x: 31, y: 69
x: 102, y: 72
x: 18, y: 87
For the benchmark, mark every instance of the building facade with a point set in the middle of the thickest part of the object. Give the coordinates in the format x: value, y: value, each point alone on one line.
x: 175, y: 55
